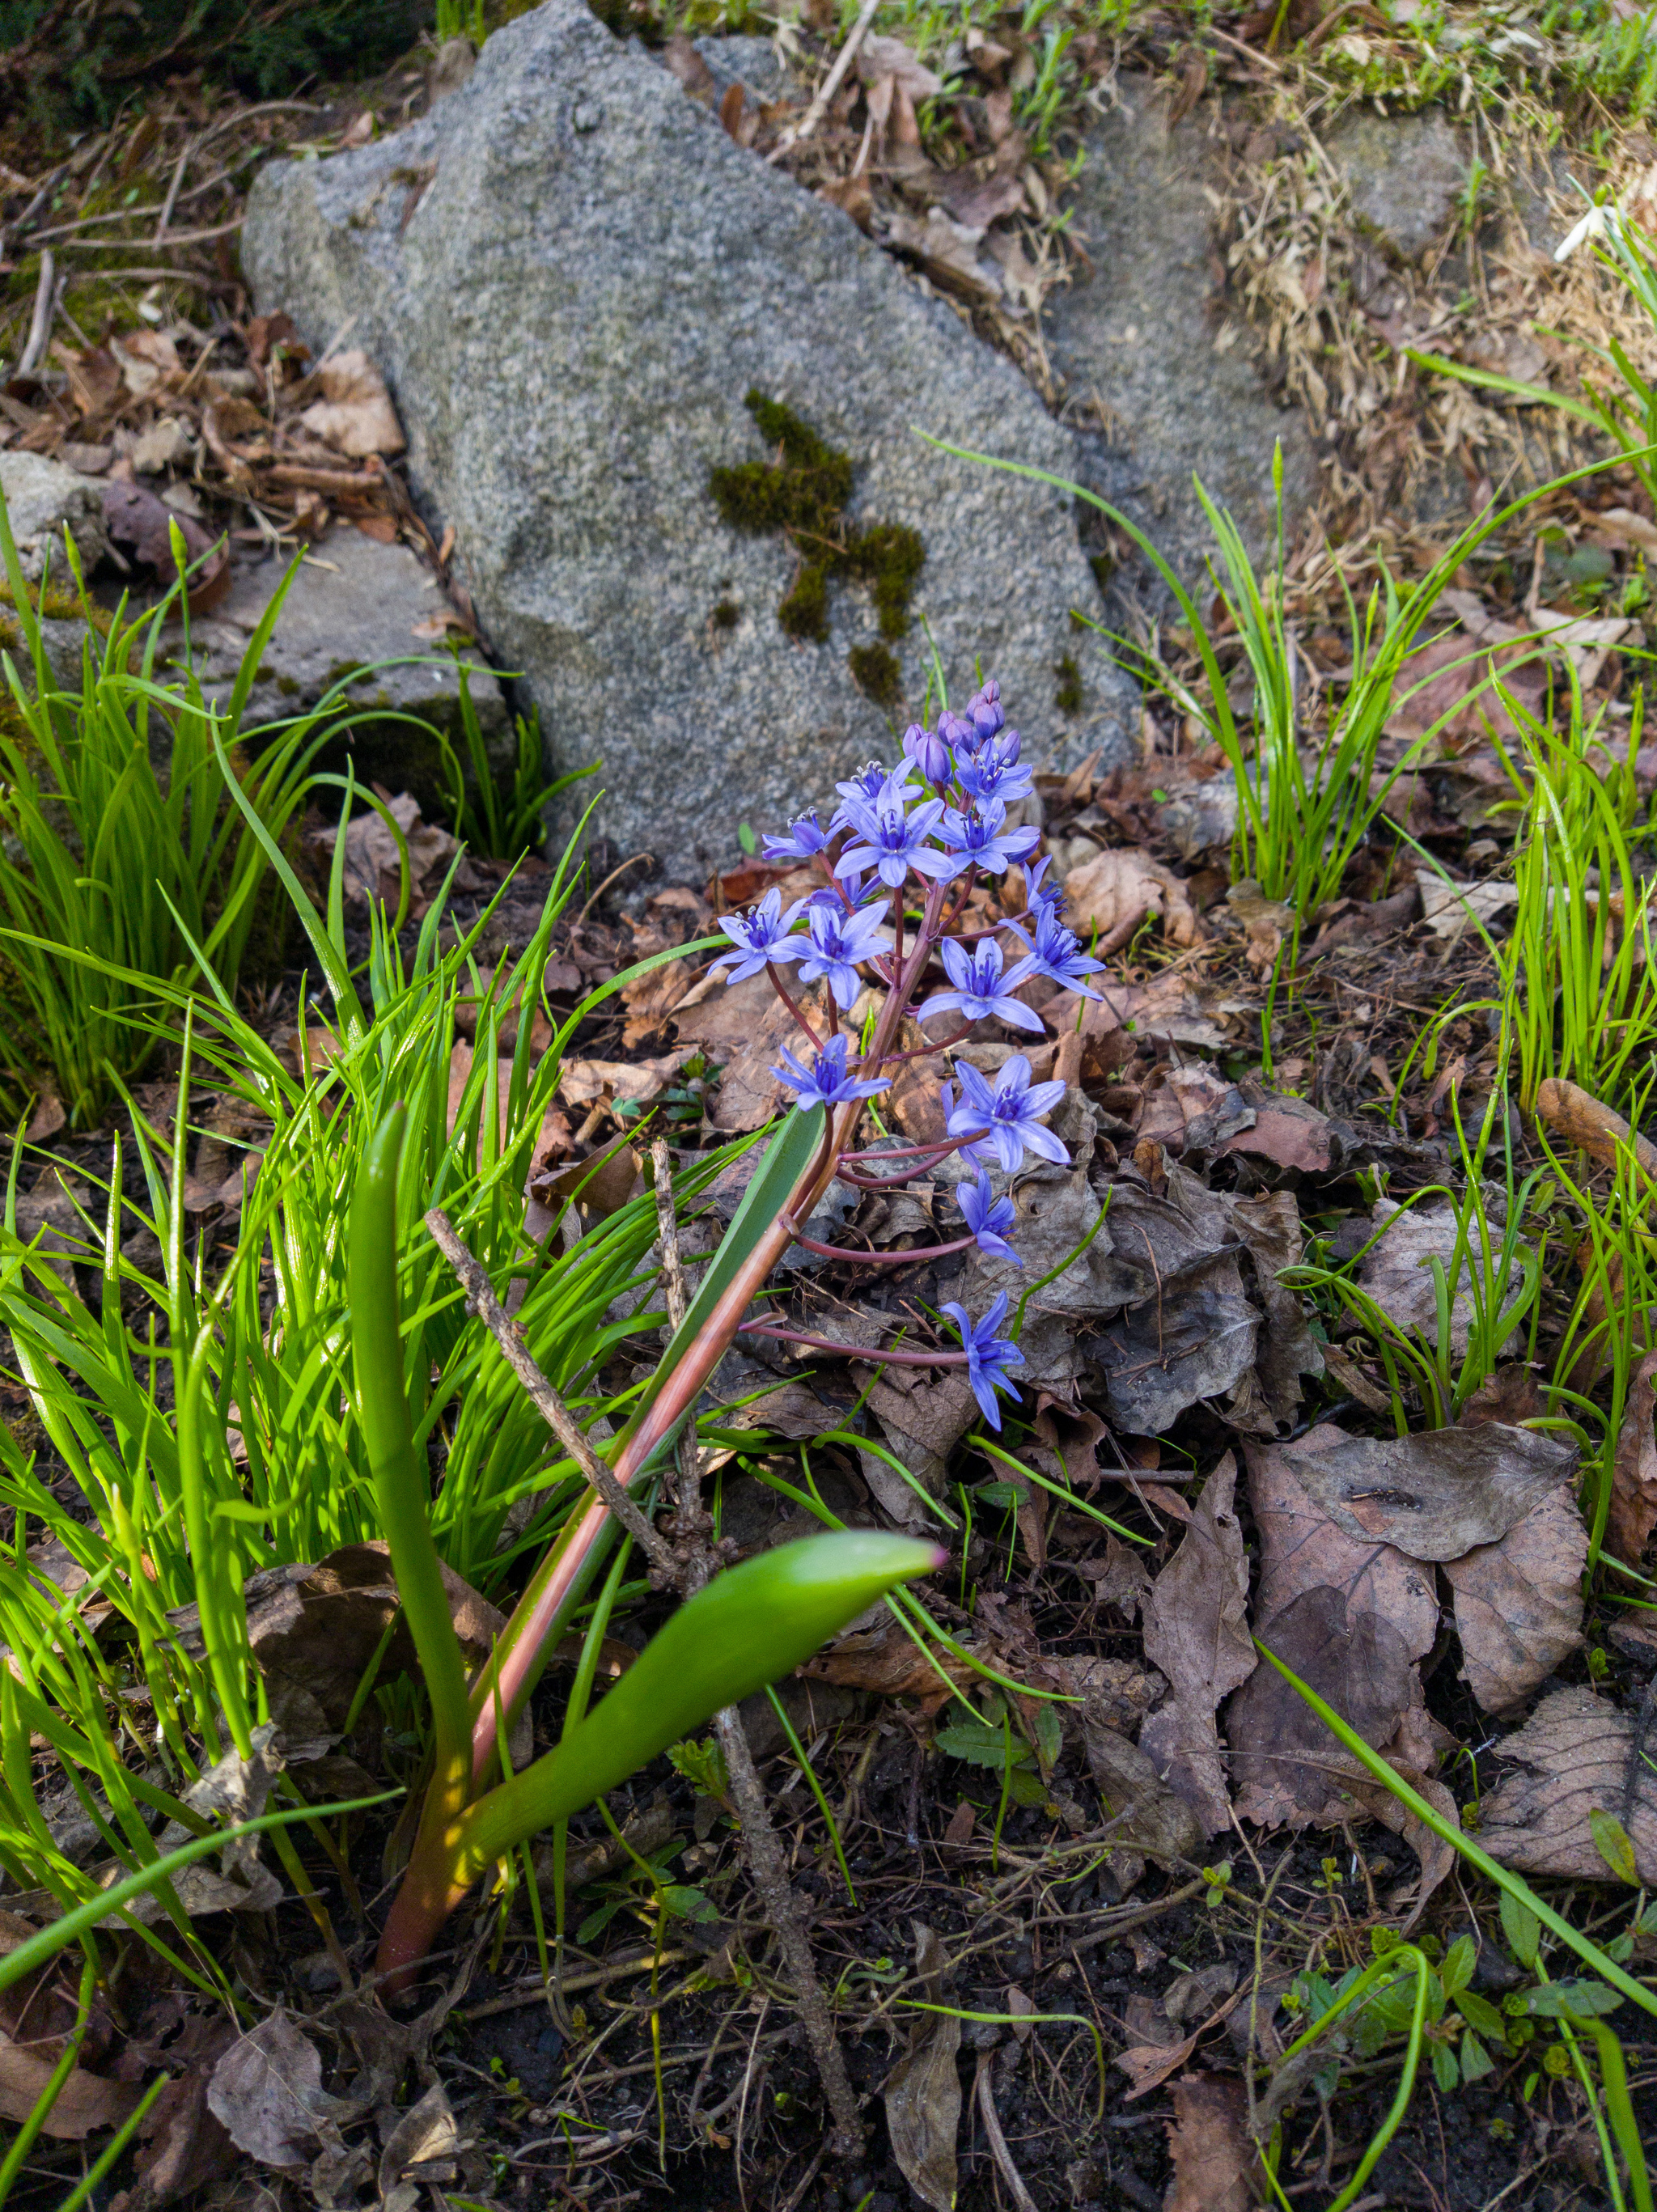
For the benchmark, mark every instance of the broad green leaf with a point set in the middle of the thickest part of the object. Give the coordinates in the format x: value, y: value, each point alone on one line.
x: 1458, y: 1962
x: 1521, y: 1928
x: 1579, y: 2000
x: 981, y: 1746
x: 1476, y: 2061
x: 1480, y: 2014
x: 1615, y: 1845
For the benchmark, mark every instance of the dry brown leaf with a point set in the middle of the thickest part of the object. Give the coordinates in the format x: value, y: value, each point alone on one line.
x: 355, y: 414
x: 744, y: 1026
x: 267, y: 2091
x: 86, y: 2102
x: 1351, y: 1619
x: 1197, y: 1633
x: 1519, y: 1602
x: 143, y: 525
x: 1397, y: 1271
x: 1270, y: 1226
x: 421, y: 2148
x: 584, y: 1082
x: 946, y: 248
x: 1633, y: 1512
x: 879, y: 57
x: 1437, y: 1494
x: 1577, y: 1754
x: 886, y: 1660
x: 922, y: 2094
x: 1144, y: 1816
x: 1108, y: 892
x: 149, y: 362
x: 1290, y: 1133
x: 1208, y: 2141
x: 1286, y: 1757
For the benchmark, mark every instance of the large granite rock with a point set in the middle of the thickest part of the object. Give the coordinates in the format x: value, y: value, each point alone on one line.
x: 1140, y: 335
x: 572, y: 277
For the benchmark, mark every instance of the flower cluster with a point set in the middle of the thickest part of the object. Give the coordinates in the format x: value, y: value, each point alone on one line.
x: 898, y: 861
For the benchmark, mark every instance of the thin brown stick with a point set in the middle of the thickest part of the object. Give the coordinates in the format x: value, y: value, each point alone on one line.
x: 831, y: 84
x: 177, y: 238
x: 769, y: 1875
x: 667, y: 1230
x: 46, y: 298
x: 480, y: 1295
x: 535, y: 1991
x: 992, y: 2119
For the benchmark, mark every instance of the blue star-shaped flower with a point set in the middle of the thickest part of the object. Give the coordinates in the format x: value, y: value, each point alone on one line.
x: 826, y: 1083
x: 759, y: 937
x: 989, y: 1219
x: 1057, y: 951
x: 892, y: 841
x: 983, y: 841
x: 981, y: 991
x: 804, y: 837
x: 996, y: 771
x: 838, y: 941
x: 987, y: 1355
x: 1003, y: 1115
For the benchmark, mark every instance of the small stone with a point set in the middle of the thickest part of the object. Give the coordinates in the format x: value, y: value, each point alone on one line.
x: 43, y: 499
x: 1404, y: 175
x: 347, y: 609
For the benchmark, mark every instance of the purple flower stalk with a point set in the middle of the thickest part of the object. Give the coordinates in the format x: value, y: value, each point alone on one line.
x: 892, y: 841
x: 804, y: 837
x: 838, y: 941
x: 759, y: 936
x: 989, y: 1219
x: 1004, y: 1117
x: 983, y: 842
x: 826, y: 1083
x: 987, y: 1355
x: 981, y: 991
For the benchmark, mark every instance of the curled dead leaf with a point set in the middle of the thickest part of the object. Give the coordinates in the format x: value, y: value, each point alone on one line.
x: 355, y: 414
x: 1519, y: 1602
x: 1119, y: 886
x: 1577, y: 1754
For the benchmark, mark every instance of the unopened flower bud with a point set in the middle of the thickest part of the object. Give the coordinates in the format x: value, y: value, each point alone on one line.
x: 927, y: 749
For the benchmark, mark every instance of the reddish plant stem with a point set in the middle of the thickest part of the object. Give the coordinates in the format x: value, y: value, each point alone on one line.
x: 882, y: 1259
x: 782, y: 990
x: 870, y: 1352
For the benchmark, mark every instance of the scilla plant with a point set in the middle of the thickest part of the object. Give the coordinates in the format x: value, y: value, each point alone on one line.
x: 898, y: 862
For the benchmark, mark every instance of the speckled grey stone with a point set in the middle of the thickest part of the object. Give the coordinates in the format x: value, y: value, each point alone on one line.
x: 1138, y: 333
x: 353, y: 603
x: 571, y: 275
x: 754, y: 64
x: 43, y: 498
x: 1404, y: 175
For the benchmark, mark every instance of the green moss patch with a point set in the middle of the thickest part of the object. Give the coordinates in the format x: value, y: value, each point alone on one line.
x: 874, y: 671
x: 802, y: 491
x: 1067, y: 695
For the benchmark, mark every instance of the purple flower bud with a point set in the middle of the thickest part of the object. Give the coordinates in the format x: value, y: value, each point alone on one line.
x: 959, y: 735
x: 927, y: 749
x: 984, y: 709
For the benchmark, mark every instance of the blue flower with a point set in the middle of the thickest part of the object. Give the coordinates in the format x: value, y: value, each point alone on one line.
x: 983, y: 843
x: 838, y: 941
x: 984, y: 711
x: 894, y: 841
x: 987, y: 1355
x: 759, y: 937
x: 989, y: 1219
x: 1038, y: 893
x: 929, y: 754
x: 1004, y: 1116
x: 995, y: 772
x: 804, y: 838
x: 981, y: 991
x: 827, y: 1083
x: 876, y: 787
x: 1057, y: 951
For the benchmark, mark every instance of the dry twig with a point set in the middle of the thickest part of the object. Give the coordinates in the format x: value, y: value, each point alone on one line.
x: 480, y: 1295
